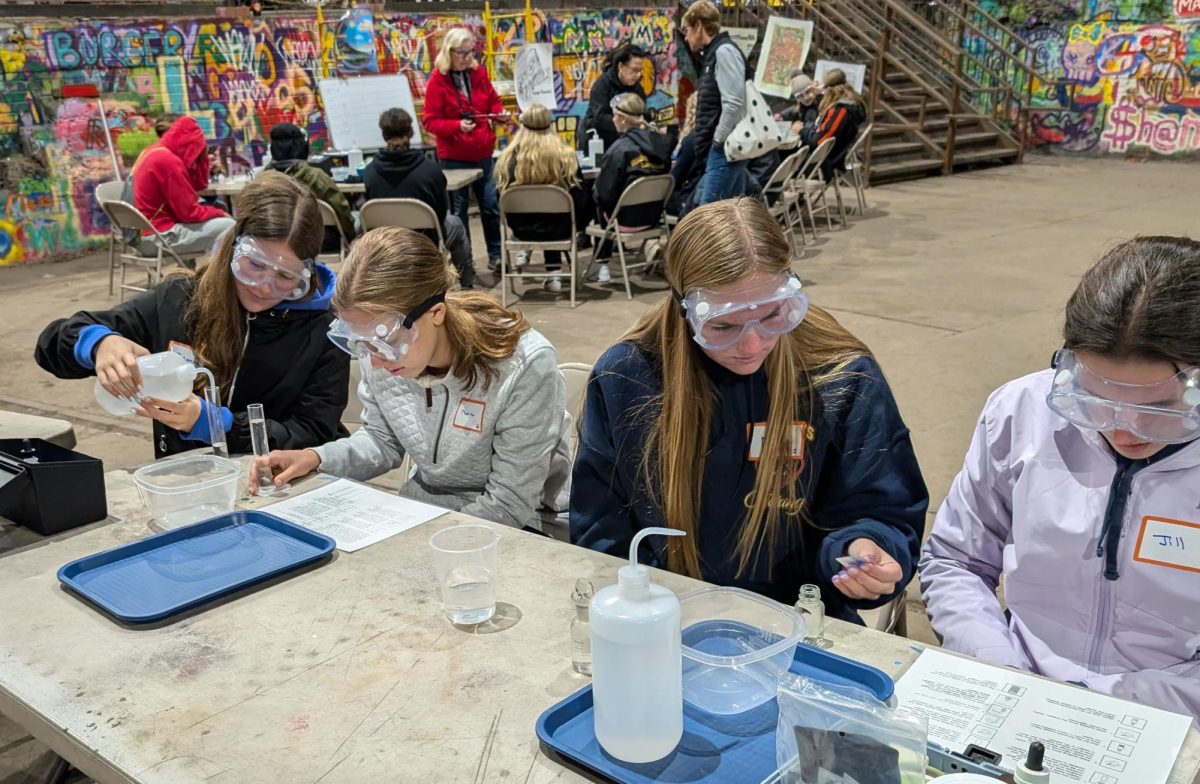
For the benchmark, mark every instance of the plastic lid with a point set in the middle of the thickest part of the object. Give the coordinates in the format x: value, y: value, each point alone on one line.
x: 186, y: 474
x: 739, y: 627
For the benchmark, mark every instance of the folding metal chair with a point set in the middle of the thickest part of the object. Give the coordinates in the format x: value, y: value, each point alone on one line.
x: 809, y: 184
x: 546, y: 200
x: 111, y: 191
x: 330, y: 218
x: 784, y: 199
x: 125, y: 216
x: 642, y: 191
x: 853, y: 175
x: 407, y: 213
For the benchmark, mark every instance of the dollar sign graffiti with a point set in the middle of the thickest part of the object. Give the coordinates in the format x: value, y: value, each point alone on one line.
x: 1121, y: 129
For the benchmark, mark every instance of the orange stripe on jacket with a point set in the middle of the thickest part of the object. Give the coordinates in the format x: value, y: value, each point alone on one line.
x: 838, y: 114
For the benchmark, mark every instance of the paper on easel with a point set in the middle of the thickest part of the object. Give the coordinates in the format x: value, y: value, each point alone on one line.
x: 354, y: 515
x: 1089, y: 737
x: 534, y: 76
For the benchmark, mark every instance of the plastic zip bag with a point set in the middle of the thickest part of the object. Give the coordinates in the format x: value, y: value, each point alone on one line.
x: 833, y: 734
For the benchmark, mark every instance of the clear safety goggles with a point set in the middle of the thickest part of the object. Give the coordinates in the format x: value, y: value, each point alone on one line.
x: 1166, y: 412
x: 388, y: 337
x: 720, y: 320
x: 256, y: 267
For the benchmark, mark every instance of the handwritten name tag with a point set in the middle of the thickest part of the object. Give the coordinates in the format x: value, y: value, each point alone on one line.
x: 1171, y: 543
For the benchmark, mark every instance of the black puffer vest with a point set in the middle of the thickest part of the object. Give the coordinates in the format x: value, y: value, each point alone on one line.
x: 708, y: 94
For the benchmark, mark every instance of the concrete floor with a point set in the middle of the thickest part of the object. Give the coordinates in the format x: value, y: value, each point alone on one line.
x: 957, y: 284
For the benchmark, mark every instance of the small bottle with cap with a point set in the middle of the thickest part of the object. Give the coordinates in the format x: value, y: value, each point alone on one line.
x: 1032, y: 770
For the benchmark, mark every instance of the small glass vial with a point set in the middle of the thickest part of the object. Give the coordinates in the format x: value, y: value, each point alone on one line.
x: 581, y: 633
x: 812, y: 609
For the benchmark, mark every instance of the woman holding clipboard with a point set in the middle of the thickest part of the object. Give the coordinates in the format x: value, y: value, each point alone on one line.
x: 460, y: 105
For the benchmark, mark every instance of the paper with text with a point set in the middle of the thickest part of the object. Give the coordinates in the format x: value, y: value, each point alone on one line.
x: 354, y: 515
x: 1089, y: 737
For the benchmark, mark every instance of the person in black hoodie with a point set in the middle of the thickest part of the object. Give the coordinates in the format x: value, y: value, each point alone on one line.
x: 289, y: 154
x: 841, y: 113
x: 399, y: 172
x: 640, y: 151
x: 256, y: 316
x: 622, y: 74
x: 755, y: 423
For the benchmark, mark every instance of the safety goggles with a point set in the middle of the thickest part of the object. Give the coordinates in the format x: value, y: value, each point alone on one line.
x: 720, y: 320
x: 257, y: 267
x: 387, y: 337
x: 1166, y: 412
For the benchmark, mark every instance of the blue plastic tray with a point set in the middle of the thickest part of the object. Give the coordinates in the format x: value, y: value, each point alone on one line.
x: 714, y: 748
x: 164, y: 574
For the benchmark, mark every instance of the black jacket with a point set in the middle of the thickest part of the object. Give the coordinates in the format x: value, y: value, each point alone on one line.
x: 840, y: 122
x: 599, y: 112
x: 289, y: 365
x: 407, y: 174
x: 638, y: 153
x: 858, y: 477
x: 708, y: 94
x: 800, y: 114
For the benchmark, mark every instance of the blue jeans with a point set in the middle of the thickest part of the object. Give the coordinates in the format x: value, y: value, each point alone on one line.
x: 488, y: 198
x: 723, y: 178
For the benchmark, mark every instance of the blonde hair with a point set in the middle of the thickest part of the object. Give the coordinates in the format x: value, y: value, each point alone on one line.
x: 706, y: 14
x: 273, y: 207
x: 393, y: 270
x: 837, y: 90
x: 536, y: 155
x: 632, y: 108
x: 453, y: 39
x: 689, y: 119
x: 718, y: 245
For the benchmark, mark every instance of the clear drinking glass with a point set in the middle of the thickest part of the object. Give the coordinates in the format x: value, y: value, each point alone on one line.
x: 465, y: 558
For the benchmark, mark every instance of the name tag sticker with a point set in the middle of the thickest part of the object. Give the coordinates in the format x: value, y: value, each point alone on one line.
x: 757, y: 432
x: 469, y: 415
x: 1171, y: 543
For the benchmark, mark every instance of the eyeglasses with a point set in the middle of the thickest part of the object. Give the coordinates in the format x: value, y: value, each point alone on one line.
x: 463, y: 52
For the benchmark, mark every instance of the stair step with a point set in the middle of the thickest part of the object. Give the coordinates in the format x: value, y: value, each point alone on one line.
x: 898, y: 170
x: 997, y: 154
x: 893, y: 149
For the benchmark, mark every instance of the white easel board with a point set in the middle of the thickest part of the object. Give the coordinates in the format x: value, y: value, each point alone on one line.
x: 353, y: 105
x: 856, y: 73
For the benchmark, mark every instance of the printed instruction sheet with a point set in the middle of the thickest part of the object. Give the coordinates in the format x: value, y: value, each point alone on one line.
x: 1089, y: 737
x: 354, y: 515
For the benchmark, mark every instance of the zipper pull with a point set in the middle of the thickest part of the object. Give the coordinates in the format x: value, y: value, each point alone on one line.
x: 162, y: 443
x: 428, y: 399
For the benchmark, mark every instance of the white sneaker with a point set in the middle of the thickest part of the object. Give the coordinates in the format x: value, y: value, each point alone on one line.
x: 553, y: 285
x: 522, y: 259
x: 603, y: 275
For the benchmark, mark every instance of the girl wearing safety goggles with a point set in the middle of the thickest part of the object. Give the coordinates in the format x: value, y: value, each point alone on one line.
x: 1082, y: 489
x: 452, y: 380
x: 255, y: 316
x: 742, y: 415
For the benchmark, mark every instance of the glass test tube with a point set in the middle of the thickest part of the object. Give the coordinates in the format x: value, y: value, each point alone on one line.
x: 216, y: 427
x: 258, y: 441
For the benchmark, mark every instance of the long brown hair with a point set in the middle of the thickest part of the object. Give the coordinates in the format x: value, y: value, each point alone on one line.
x: 717, y: 245
x: 836, y: 90
x: 1140, y: 301
x: 393, y: 270
x: 272, y: 207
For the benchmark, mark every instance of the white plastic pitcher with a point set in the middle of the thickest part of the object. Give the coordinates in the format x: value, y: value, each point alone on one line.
x: 165, y: 375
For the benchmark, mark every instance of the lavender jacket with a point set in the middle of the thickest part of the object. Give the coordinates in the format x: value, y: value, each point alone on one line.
x: 1031, y: 504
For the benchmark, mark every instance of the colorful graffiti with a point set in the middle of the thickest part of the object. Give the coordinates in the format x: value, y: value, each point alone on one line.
x: 239, y: 78
x: 1115, y: 85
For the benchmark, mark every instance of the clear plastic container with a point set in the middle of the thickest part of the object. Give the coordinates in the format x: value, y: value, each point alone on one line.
x: 184, y: 490
x: 735, y: 645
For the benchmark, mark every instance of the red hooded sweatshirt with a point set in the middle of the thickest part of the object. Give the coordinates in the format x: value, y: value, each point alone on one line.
x: 445, y: 106
x: 168, y: 174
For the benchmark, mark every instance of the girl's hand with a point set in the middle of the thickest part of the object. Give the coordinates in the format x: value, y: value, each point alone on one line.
x: 283, y: 466
x: 180, y: 416
x: 116, y: 366
x: 877, y: 577
x: 797, y: 127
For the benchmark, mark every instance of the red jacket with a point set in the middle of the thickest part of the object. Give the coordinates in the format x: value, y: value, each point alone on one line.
x: 444, y: 109
x: 168, y: 174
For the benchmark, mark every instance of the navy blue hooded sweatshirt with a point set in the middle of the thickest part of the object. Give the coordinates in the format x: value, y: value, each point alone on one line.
x: 859, y: 477
x: 288, y: 364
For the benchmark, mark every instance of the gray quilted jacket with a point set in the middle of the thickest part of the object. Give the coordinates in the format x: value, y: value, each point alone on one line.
x: 502, y: 455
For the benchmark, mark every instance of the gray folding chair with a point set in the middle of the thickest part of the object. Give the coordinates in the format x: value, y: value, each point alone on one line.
x: 644, y: 190
x: 407, y: 213
x: 853, y: 175
x: 329, y: 217
x: 784, y: 200
x: 125, y: 216
x: 809, y: 184
x: 545, y: 200
x: 111, y: 191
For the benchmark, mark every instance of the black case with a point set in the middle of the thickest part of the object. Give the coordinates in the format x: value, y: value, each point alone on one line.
x: 49, y: 489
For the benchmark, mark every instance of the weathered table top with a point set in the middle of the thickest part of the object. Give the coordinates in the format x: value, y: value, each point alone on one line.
x: 347, y: 672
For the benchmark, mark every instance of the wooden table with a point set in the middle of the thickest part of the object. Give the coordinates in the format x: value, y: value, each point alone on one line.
x: 234, y: 187
x: 56, y: 431
x: 343, y: 674
x: 457, y: 179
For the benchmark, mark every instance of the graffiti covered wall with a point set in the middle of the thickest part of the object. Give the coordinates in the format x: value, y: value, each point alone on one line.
x: 1124, y: 81
x: 238, y: 78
